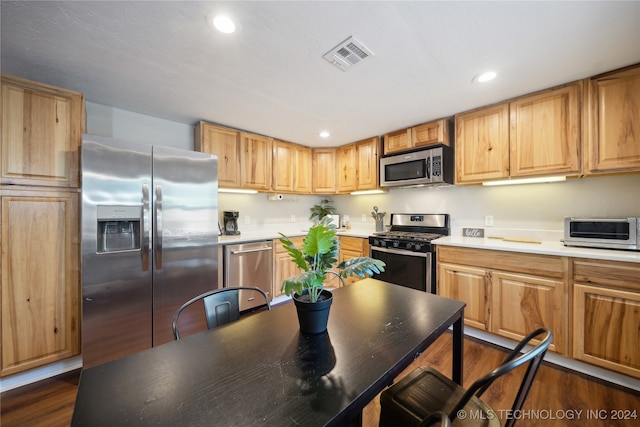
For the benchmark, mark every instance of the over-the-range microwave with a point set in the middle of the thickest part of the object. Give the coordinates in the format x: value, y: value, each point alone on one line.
x: 429, y: 166
x: 607, y: 233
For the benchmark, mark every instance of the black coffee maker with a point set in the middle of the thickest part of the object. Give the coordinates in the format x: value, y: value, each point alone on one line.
x: 230, y: 223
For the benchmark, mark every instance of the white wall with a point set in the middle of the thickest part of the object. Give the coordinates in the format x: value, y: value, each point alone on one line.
x: 527, y: 208
x: 530, y: 209
x: 133, y: 127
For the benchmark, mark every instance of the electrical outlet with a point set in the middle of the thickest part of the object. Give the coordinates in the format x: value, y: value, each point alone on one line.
x: 247, y: 219
x: 488, y: 220
x: 364, y: 217
x: 293, y: 218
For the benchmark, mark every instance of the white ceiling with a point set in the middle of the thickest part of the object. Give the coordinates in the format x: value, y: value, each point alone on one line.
x: 161, y: 58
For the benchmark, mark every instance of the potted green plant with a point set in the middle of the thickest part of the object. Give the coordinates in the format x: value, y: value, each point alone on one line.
x: 321, y: 210
x: 316, y: 258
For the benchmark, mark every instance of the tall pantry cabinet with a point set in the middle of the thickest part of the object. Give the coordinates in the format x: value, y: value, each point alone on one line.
x: 41, y: 130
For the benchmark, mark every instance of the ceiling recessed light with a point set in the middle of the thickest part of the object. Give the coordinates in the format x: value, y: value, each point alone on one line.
x: 484, y: 77
x: 325, y: 134
x: 224, y: 24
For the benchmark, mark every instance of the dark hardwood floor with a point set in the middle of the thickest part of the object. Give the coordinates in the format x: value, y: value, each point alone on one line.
x: 557, y: 397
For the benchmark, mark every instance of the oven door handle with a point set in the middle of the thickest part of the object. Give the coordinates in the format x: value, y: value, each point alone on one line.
x: 398, y: 251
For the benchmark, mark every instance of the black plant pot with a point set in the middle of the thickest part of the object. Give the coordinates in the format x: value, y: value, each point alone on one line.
x: 313, y: 316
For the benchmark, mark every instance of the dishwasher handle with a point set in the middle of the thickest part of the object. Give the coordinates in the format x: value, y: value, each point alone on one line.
x: 246, y: 251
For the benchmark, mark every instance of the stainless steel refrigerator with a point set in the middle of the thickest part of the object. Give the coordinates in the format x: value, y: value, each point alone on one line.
x: 149, y: 243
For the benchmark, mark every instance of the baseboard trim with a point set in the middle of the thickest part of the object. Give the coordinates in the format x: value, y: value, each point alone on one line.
x: 593, y: 372
x: 39, y: 374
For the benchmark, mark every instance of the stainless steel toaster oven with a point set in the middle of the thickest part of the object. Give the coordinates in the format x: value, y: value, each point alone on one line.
x: 608, y: 233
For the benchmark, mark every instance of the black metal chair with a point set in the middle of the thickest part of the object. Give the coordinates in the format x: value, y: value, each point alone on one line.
x: 221, y: 306
x: 425, y: 391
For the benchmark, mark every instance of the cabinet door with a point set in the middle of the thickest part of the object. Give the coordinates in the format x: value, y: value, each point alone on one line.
x: 40, y: 278
x: 347, y: 158
x: 606, y: 314
x: 255, y: 161
x: 482, y: 144
x: 471, y: 285
x: 430, y: 133
x: 606, y: 323
x: 224, y: 143
x: 301, y: 169
x: 614, y: 131
x: 351, y: 247
x: 283, y: 166
x: 521, y: 304
x: 42, y: 130
x: 545, y: 133
x: 399, y: 140
x: 324, y: 170
x: 367, y: 164
x: 283, y: 267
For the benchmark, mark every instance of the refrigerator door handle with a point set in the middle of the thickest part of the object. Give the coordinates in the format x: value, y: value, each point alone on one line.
x: 144, y: 235
x: 158, y: 228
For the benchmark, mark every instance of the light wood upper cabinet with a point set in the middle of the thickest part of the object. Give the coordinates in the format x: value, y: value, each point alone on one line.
x: 544, y: 136
x: 282, y: 166
x: 367, y: 163
x: 482, y: 144
x: 224, y: 143
x: 291, y: 167
x: 358, y: 165
x: 40, y: 268
x: 613, y: 143
x: 255, y: 161
x: 324, y: 170
x: 423, y: 135
x: 606, y: 314
x: 397, y: 141
x: 42, y: 129
x: 347, y: 155
x: 533, y: 135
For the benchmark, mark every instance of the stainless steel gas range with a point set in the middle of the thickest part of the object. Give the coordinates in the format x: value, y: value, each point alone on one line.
x: 407, y: 250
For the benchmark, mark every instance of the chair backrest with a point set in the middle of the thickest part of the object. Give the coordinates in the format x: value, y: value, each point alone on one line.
x: 516, y: 358
x: 221, y: 306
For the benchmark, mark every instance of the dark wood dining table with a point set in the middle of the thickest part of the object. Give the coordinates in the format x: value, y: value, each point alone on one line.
x: 262, y: 371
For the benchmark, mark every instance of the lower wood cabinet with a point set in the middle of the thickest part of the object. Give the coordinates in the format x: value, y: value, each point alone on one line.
x: 471, y: 285
x: 283, y: 267
x: 606, y: 314
x: 40, y: 271
x: 507, y: 293
x: 352, y: 247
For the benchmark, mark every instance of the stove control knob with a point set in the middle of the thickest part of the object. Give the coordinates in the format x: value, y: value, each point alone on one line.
x: 383, y: 243
x: 396, y: 244
x: 409, y: 245
x: 418, y: 246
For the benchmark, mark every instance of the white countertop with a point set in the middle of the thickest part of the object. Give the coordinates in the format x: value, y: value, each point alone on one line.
x: 546, y: 247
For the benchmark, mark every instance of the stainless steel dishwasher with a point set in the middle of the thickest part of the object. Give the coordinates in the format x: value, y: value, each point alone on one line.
x: 249, y: 264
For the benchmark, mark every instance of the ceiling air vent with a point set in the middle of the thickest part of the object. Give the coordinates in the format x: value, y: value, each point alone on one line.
x: 347, y: 54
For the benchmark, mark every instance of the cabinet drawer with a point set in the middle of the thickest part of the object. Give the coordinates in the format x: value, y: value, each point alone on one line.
x: 279, y: 248
x: 353, y: 244
x: 609, y: 273
x: 541, y: 265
